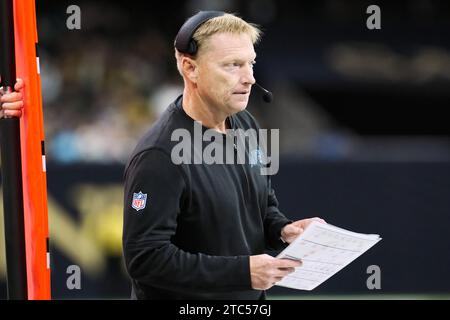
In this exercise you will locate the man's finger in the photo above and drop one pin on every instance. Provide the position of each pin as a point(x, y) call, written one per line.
point(287, 270)
point(12, 105)
point(11, 97)
point(19, 84)
point(11, 113)
point(292, 229)
point(319, 219)
point(288, 263)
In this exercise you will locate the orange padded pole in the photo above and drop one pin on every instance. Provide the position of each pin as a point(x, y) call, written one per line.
point(33, 152)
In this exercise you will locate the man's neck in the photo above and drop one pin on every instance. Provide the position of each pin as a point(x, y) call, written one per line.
point(199, 110)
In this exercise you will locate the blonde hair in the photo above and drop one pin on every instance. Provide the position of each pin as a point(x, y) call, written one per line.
point(227, 23)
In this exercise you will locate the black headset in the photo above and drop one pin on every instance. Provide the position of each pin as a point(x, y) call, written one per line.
point(184, 41)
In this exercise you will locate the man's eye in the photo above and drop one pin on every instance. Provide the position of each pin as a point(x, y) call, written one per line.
point(232, 65)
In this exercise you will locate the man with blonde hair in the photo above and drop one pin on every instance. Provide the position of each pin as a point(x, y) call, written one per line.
point(199, 231)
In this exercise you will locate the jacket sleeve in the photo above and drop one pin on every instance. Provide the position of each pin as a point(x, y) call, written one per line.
point(274, 221)
point(150, 256)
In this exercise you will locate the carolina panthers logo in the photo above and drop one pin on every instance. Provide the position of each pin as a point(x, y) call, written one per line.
point(256, 158)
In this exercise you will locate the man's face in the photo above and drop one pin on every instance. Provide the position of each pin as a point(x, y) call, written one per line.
point(225, 72)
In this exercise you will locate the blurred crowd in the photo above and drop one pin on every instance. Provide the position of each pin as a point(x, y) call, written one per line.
point(104, 85)
point(101, 91)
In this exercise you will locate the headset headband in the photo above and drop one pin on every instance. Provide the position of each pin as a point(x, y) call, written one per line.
point(184, 41)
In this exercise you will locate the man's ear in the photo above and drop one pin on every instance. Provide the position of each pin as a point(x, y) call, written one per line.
point(190, 68)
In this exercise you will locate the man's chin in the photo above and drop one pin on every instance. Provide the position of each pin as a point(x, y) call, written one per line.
point(239, 106)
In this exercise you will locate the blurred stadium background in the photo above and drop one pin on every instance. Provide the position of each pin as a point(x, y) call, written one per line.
point(365, 139)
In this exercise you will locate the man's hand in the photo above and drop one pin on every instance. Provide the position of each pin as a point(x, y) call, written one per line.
point(12, 103)
point(296, 228)
point(266, 270)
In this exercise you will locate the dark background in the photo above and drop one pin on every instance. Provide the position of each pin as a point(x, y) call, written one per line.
point(364, 134)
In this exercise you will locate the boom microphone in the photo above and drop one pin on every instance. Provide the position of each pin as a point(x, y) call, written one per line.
point(267, 95)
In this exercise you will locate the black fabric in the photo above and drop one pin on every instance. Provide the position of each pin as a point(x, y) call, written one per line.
point(200, 223)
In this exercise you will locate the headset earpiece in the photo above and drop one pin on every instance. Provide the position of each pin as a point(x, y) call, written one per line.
point(192, 48)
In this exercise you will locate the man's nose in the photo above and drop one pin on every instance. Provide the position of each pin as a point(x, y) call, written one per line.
point(247, 77)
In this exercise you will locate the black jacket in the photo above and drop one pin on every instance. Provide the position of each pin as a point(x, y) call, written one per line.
point(189, 229)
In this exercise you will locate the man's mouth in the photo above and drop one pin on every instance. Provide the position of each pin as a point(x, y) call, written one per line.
point(241, 92)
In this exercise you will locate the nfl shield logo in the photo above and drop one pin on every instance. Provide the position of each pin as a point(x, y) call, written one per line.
point(139, 201)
